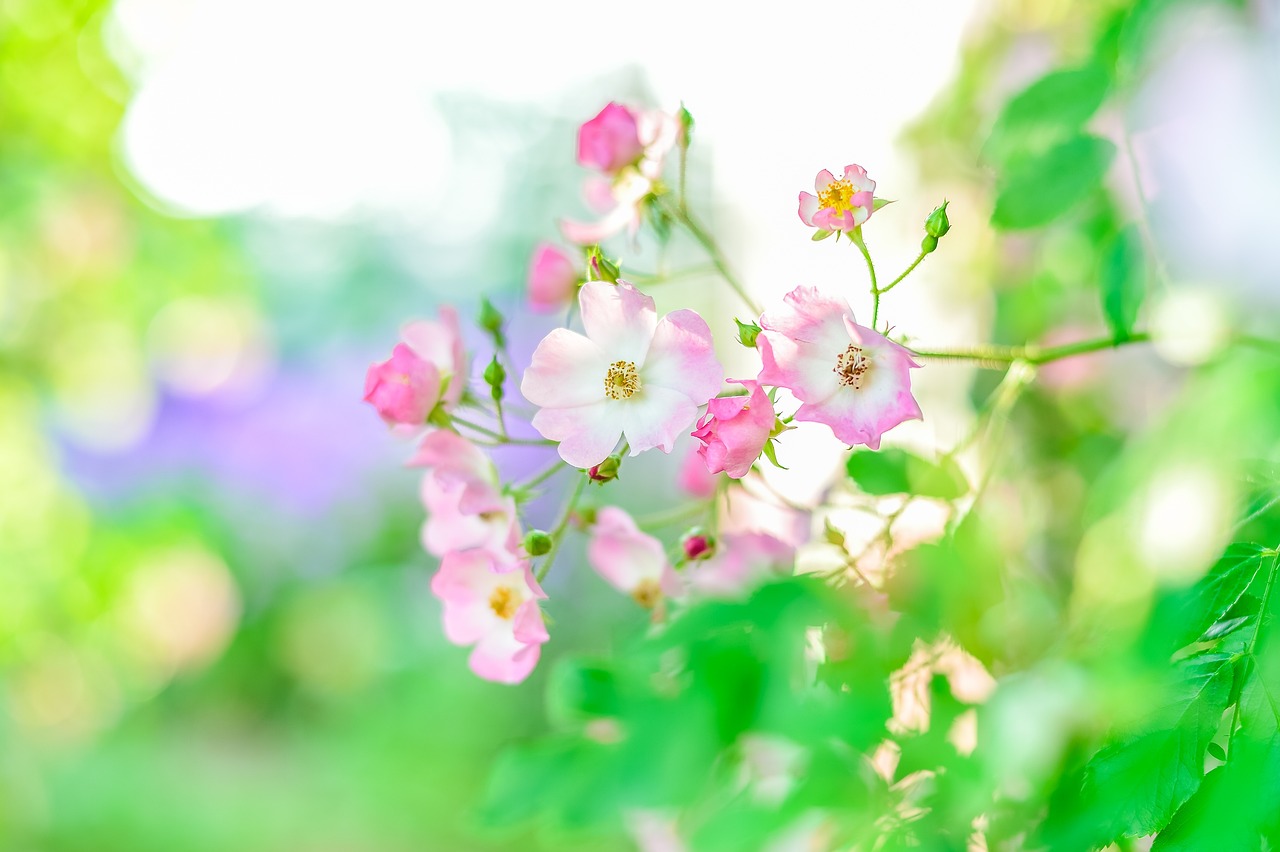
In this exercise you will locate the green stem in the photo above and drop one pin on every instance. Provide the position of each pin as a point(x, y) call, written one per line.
point(558, 531)
point(998, 357)
point(1253, 644)
point(502, 419)
point(871, 270)
point(905, 273)
point(704, 239)
point(546, 474)
point(670, 516)
point(497, 436)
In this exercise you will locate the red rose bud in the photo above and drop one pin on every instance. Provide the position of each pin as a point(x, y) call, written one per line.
point(698, 545)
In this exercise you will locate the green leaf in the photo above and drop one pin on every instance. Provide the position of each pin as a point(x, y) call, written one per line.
point(820, 235)
point(771, 453)
point(1050, 109)
point(1196, 611)
point(1234, 805)
point(1133, 787)
point(1123, 280)
point(1038, 190)
point(877, 203)
point(579, 689)
point(896, 471)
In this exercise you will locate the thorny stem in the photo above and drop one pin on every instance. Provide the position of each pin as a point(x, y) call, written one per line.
point(557, 532)
point(999, 357)
point(905, 273)
point(699, 234)
point(871, 270)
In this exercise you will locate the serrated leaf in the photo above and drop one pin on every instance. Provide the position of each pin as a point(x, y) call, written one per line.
point(1235, 804)
point(896, 471)
point(820, 235)
point(1123, 281)
point(1133, 787)
point(1053, 107)
point(1213, 596)
point(1039, 189)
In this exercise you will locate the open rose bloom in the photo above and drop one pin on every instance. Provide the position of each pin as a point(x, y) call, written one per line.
point(847, 376)
point(496, 611)
point(631, 561)
point(841, 204)
point(628, 147)
point(631, 375)
point(463, 497)
point(427, 369)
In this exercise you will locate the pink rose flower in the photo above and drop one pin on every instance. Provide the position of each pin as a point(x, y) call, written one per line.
point(741, 562)
point(846, 375)
point(463, 497)
point(631, 375)
point(840, 205)
point(629, 147)
point(611, 140)
point(428, 369)
point(693, 477)
point(734, 430)
point(497, 612)
point(553, 278)
point(631, 561)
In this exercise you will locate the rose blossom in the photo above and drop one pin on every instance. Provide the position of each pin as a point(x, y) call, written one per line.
point(628, 146)
point(463, 497)
point(741, 562)
point(629, 560)
point(553, 278)
point(734, 430)
point(495, 611)
point(631, 375)
point(840, 205)
point(846, 375)
point(427, 369)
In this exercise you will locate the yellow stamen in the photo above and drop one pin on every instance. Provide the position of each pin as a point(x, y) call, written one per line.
point(504, 602)
point(838, 195)
point(647, 593)
point(851, 367)
point(622, 381)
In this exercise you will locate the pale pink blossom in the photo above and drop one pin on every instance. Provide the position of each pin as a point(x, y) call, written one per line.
point(846, 375)
point(629, 147)
point(735, 429)
point(553, 278)
point(740, 563)
point(495, 611)
point(632, 374)
point(463, 497)
point(428, 369)
point(631, 561)
point(841, 204)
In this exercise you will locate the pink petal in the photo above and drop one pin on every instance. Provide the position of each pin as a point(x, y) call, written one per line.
point(610, 140)
point(682, 357)
point(655, 417)
point(529, 626)
point(619, 319)
point(823, 180)
point(502, 658)
point(694, 478)
point(801, 342)
point(622, 554)
point(857, 176)
point(587, 434)
point(567, 370)
point(553, 278)
point(808, 207)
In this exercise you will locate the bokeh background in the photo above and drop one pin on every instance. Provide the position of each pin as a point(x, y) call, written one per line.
point(215, 627)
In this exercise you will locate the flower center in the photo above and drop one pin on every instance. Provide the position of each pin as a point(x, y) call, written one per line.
point(504, 603)
point(622, 381)
point(851, 367)
point(838, 195)
point(647, 593)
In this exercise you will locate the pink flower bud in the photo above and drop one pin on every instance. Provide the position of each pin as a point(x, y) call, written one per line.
point(553, 278)
point(698, 545)
point(404, 388)
point(611, 140)
point(735, 429)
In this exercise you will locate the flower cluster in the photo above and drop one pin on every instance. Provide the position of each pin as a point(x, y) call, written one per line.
point(615, 381)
